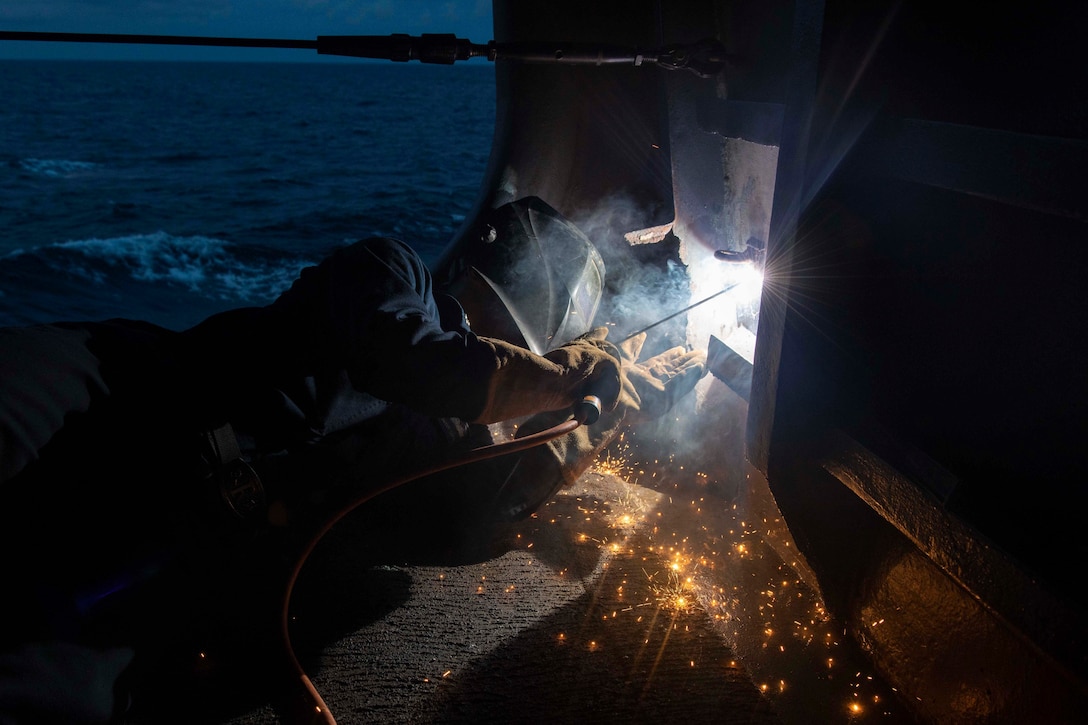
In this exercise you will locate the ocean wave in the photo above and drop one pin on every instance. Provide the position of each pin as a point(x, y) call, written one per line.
point(55, 167)
point(209, 267)
point(257, 171)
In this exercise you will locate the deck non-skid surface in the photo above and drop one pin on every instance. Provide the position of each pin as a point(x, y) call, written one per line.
point(614, 603)
point(576, 624)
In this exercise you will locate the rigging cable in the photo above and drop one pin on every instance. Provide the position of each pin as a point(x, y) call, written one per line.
point(705, 58)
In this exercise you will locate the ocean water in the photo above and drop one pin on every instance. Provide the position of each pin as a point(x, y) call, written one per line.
point(169, 191)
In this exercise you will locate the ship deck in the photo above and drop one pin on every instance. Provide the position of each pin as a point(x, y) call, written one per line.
point(619, 601)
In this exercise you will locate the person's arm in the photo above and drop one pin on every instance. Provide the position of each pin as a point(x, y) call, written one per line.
point(649, 389)
point(371, 306)
point(51, 373)
point(46, 373)
point(485, 380)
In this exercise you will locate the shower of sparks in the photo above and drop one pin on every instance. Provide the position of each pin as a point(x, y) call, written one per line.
point(675, 594)
point(696, 555)
point(615, 463)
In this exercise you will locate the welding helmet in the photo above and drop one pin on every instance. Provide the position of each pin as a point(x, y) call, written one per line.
point(526, 275)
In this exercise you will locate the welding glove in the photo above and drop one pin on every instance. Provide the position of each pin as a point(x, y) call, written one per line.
point(525, 383)
point(648, 390)
point(652, 387)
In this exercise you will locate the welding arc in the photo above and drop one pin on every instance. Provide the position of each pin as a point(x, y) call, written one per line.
point(680, 312)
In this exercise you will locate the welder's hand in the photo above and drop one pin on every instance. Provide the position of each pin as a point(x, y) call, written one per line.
point(651, 387)
point(595, 360)
point(631, 348)
point(524, 383)
point(648, 390)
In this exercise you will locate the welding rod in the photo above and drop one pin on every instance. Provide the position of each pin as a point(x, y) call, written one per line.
point(680, 312)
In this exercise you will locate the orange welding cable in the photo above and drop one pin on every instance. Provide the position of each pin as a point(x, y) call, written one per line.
point(321, 711)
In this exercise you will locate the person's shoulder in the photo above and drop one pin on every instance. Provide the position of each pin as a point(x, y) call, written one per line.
point(382, 247)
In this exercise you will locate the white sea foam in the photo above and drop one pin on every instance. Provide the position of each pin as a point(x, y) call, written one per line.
point(55, 167)
point(201, 264)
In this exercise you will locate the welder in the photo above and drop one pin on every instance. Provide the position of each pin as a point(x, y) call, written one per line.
point(122, 443)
